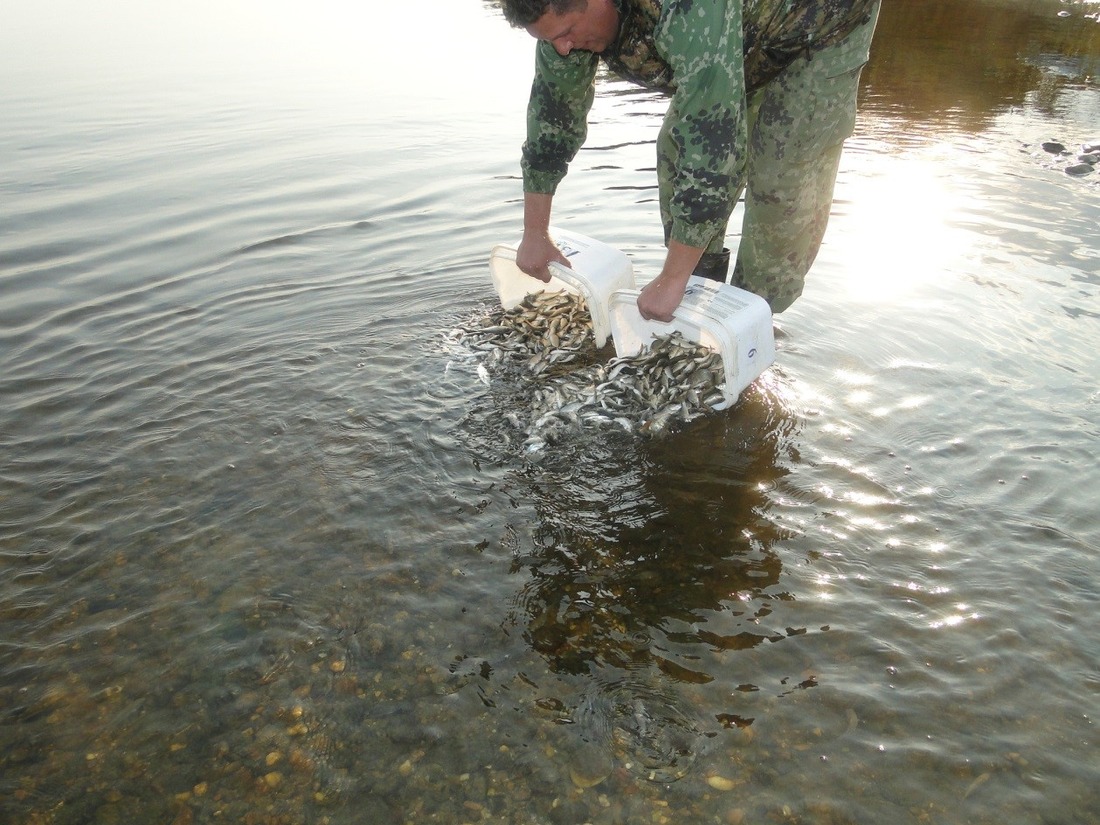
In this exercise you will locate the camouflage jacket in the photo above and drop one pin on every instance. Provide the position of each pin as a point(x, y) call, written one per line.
point(708, 54)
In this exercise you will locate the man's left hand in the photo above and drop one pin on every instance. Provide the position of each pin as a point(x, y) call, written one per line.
point(661, 296)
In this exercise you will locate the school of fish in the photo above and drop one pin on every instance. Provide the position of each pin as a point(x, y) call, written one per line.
point(548, 340)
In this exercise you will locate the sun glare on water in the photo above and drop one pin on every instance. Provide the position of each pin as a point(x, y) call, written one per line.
point(895, 225)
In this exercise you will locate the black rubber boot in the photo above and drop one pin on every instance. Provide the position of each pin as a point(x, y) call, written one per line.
point(714, 265)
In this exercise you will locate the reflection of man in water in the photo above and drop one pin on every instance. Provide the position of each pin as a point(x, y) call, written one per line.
point(763, 96)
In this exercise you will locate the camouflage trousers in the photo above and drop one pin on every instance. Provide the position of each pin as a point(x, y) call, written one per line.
point(797, 125)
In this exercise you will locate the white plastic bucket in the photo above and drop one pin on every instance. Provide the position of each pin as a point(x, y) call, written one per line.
point(598, 271)
point(725, 318)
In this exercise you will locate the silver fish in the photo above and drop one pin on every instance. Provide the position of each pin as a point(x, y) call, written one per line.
point(547, 340)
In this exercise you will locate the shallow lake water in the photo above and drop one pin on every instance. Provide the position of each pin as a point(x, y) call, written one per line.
point(270, 551)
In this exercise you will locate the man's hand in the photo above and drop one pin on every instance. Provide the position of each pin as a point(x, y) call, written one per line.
point(537, 249)
point(536, 252)
point(660, 297)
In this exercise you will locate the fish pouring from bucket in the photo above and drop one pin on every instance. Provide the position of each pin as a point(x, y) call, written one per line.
point(544, 330)
point(672, 381)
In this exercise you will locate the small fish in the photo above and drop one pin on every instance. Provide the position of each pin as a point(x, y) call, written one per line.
point(547, 339)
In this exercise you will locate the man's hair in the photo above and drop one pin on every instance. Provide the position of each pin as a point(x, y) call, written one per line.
point(522, 13)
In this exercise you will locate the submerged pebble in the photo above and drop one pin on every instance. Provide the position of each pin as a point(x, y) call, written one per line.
point(721, 783)
point(589, 766)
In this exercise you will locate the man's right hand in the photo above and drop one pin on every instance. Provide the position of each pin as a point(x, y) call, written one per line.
point(536, 252)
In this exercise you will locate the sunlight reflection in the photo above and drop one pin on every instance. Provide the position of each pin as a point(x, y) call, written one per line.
point(869, 500)
point(954, 621)
point(913, 402)
point(271, 47)
point(869, 523)
point(855, 379)
point(859, 398)
point(899, 212)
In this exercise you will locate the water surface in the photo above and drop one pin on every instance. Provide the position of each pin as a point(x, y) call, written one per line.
point(270, 551)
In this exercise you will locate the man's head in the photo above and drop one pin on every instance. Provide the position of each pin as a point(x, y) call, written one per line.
point(590, 25)
point(522, 13)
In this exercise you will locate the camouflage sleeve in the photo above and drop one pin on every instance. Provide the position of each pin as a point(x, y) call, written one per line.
point(704, 132)
point(557, 115)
